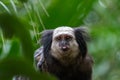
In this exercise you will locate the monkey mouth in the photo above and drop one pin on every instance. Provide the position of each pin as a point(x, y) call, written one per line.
point(65, 48)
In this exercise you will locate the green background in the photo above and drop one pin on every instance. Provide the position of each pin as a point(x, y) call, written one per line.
point(21, 22)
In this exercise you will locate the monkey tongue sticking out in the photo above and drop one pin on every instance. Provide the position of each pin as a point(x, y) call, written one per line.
point(64, 48)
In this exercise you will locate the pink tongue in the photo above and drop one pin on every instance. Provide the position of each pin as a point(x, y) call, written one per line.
point(64, 47)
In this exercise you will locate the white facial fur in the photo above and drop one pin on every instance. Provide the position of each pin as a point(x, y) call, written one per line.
point(73, 48)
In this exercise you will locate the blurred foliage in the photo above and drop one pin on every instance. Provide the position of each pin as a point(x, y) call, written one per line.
point(21, 22)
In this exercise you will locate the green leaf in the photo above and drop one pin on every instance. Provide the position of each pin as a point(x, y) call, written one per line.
point(12, 26)
point(11, 66)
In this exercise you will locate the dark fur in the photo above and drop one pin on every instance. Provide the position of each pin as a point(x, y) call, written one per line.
point(46, 41)
point(79, 69)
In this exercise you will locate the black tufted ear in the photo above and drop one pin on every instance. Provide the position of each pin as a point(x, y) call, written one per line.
point(81, 37)
point(46, 41)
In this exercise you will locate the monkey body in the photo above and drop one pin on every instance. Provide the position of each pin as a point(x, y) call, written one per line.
point(77, 70)
point(64, 54)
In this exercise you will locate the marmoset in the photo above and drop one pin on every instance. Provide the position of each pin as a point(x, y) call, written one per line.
point(64, 54)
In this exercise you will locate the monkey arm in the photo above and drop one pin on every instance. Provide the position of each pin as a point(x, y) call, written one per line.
point(39, 57)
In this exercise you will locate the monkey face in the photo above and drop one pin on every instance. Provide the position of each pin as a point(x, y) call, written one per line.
point(64, 43)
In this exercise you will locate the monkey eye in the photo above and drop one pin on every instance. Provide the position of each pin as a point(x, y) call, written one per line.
point(58, 38)
point(68, 38)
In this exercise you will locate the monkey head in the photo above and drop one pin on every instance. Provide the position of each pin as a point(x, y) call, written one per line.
point(64, 43)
